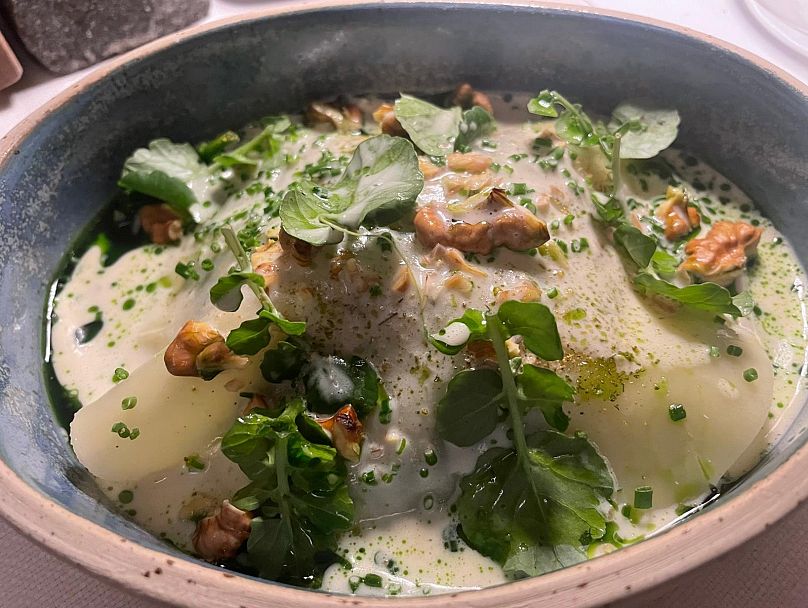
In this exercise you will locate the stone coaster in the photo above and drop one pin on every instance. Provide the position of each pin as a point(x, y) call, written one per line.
point(67, 36)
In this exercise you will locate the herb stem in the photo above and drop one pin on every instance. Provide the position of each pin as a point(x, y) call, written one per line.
point(244, 265)
point(616, 164)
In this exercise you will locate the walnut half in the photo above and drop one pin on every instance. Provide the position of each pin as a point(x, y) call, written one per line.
point(200, 350)
point(346, 432)
point(219, 536)
point(722, 255)
point(679, 217)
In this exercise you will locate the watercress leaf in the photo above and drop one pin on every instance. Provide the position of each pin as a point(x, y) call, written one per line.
point(744, 303)
point(544, 104)
point(209, 149)
point(451, 339)
point(572, 129)
point(379, 186)
point(638, 247)
point(532, 560)
point(172, 191)
point(544, 389)
point(248, 442)
point(476, 123)
point(268, 545)
point(380, 183)
point(290, 328)
point(226, 293)
point(611, 212)
point(249, 337)
point(505, 509)
point(537, 326)
point(304, 453)
point(302, 211)
point(707, 297)
point(330, 513)
point(367, 389)
point(658, 129)
point(179, 161)
point(332, 382)
point(283, 362)
point(253, 495)
point(469, 410)
point(263, 146)
point(664, 263)
point(431, 128)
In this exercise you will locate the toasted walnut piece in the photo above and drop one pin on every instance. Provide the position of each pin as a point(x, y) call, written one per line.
point(264, 262)
point(301, 251)
point(345, 119)
point(256, 402)
point(219, 537)
point(722, 255)
point(481, 351)
point(512, 227)
point(402, 280)
point(429, 169)
point(466, 97)
point(346, 432)
point(199, 350)
point(386, 117)
point(161, 224)
point(459, 283)
point(524, 291)
point(470, 162)
point(467, 184)
point(679, 217)
point(452, 258)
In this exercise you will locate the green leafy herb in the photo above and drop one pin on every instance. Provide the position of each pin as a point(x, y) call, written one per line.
point(656, 131)
point(537, 326)
point(209, 149)
point(298, 490)
point(707, 297)
point(378, 187)
point(433, 129)
point(226, 295)
point(531, 508)
point(163, 171)
point(284, 362)
point(263, 146)
point(744, 303)
point(332, 382)
point(249, 337)
point(476, 123)
point(545, 390)
point(194, 463)
point(637, 246)
point(469, 410)
point(664, 264)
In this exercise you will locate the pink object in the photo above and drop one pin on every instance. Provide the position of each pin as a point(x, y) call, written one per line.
point(10, 68)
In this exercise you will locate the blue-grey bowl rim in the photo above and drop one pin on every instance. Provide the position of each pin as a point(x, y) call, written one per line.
point(190, 582)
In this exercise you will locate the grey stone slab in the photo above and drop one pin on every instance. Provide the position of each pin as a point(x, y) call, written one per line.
point(66, 36)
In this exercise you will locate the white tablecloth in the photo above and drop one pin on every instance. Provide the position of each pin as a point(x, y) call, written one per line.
point(768, 571)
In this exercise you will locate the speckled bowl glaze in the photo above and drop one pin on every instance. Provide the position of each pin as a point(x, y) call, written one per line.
point(60, 166)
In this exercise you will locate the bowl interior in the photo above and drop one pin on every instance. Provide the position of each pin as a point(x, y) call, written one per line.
point(738, 117)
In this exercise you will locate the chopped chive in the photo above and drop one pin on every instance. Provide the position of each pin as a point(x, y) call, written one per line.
point(643, 497)
point(121, 430)
point(431, 457)
point(568, 219)
point(750, 375)
point(715, 352)
point(402, 444)
point(369, 477)
point(128, 403)
point(372, 580)
point(424, 473)
point(518, 189)
point(194, 462)
point(734, 351)
point(119, 375)
point(677, 412)
point(552, 293)
point(555, 224)
point(134, 433)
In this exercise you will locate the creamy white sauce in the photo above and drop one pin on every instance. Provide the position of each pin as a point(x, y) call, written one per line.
point(642, 359)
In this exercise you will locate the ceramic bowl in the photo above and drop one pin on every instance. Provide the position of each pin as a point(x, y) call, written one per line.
point(59, 167)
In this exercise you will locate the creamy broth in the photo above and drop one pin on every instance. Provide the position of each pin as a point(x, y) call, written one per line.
point(628, 357)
